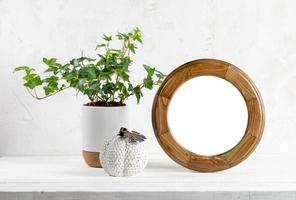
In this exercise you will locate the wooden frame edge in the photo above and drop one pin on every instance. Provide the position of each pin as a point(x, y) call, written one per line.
point(253, 99)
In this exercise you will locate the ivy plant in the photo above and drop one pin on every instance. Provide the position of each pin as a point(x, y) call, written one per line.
point(105, 79)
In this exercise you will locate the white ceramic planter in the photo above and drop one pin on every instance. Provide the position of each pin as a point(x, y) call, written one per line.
point(100, 124)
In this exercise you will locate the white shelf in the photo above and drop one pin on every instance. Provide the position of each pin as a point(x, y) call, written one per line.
point(69, 174)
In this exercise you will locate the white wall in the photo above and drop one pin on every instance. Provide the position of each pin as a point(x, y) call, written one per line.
point(257, 36)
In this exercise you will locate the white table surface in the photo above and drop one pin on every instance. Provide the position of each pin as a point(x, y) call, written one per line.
point(69, 173)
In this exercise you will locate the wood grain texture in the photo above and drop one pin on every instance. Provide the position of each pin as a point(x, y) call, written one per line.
point(92, 159)
point(250, 94)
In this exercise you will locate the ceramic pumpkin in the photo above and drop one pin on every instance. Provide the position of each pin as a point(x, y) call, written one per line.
point(124, 154)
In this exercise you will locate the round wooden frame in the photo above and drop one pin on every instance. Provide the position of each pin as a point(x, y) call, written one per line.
point(251, 96)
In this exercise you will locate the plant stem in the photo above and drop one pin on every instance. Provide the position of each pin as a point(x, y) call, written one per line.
point(98, 97)
point(128, 43)
point(39, 98)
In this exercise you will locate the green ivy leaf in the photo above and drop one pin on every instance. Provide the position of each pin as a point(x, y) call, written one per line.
point(75, 62)
point(123, 75)
point(122, 36)
point(50, 70)
point(51, 79)
point(100, 45)
point(32, 81)
point(108, 88)
point(47, 90)
point(119, 85)
point(50, 62)
point(160, 75)
point(124, 91)
point(90, 72)
point(21, 68)
point(95, 86)
point(107, 38)
point(149, 70)
point(137, 35)
point(130, 87)
point(81, 59)
point(132, 47)
point(148, 82)
point(73, 81)
point(138, 93)
point(81, 84)
point(105, 74)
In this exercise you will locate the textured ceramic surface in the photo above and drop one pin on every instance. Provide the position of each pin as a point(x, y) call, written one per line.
point(122, 158)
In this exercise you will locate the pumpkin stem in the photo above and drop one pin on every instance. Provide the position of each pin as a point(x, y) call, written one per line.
point(131, 136)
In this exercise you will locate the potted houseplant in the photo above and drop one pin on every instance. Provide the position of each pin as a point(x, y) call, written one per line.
point(105, 80)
